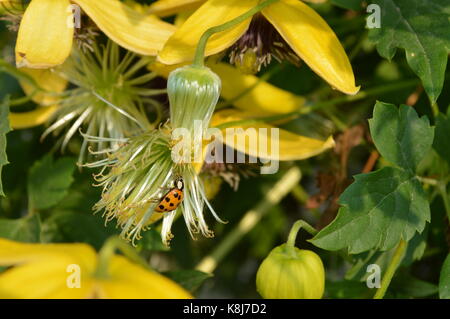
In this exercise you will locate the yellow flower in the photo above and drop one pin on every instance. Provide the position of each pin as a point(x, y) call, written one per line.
point(46, 31)
point(164, 8)
point(285, 29)
point(51, 271)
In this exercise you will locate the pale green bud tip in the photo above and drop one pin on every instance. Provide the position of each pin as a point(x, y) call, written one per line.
point(193, 94)
point(291, 273)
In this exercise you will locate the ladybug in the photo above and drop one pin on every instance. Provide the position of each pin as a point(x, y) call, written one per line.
point(172, 199)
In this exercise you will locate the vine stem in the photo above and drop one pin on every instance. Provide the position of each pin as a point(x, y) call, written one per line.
point(296, 228)
point(201, 46)
point(251, 218)
point(393, 265)
point(107, 252)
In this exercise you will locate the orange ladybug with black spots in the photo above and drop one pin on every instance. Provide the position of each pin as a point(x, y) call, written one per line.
point(172, 199)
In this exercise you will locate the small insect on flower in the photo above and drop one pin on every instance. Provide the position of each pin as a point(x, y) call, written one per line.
point(173, 198)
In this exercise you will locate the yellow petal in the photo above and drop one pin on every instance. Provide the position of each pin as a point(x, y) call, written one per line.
point(12, 252)
point(164, 8)
point(45, 36)
point(32, 118)
point(44, 279)
point(289, 146)
point(47, 80)
point(182, 44)
point(181, 18)
point(130, 281)
point(314, 41)
point(42, 270)
point(260, 97)
point(9, 6)
point(131, 29)
point(142, 8)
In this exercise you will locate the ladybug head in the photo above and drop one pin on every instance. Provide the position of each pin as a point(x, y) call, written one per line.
point(179, 183)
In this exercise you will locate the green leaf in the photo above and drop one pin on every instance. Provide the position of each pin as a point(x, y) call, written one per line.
point(49, 181)
point(421, 28)
point(442, 137)
point(26, 229)
point(379, 209)
point(4, 129)
point(444, 281)
point(416, 248)
point(400, 135)
point(188, 279)
point(348, 4)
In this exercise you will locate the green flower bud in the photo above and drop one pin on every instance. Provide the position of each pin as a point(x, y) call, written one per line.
point(193, 95)
point(291, 273)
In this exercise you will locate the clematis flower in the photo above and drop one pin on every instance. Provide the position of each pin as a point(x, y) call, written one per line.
point(46, 31)
point(135, 176)
point(51, 271)
point(286, 29)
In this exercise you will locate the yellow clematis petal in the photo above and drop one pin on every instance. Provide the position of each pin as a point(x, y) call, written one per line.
point(314, 41)
point(131, 29)
point(290, 146)
point(45, 37)
point(32, 118)
point(44, 279)
point(131, 281)
point(12, 252)
point(182, 44)
point(164, 8)
point(47, 80)
point(260, 97)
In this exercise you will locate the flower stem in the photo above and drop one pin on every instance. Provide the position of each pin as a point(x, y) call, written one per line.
point(393, 265)
point(295, 229)
point(250, 219)
point(107, 252)
point(201, 46)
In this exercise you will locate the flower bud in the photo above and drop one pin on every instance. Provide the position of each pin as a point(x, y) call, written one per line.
point(291, 273)
point(193, 94)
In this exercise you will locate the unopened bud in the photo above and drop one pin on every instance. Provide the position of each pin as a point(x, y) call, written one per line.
point(291, 273)
point(193, 94)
